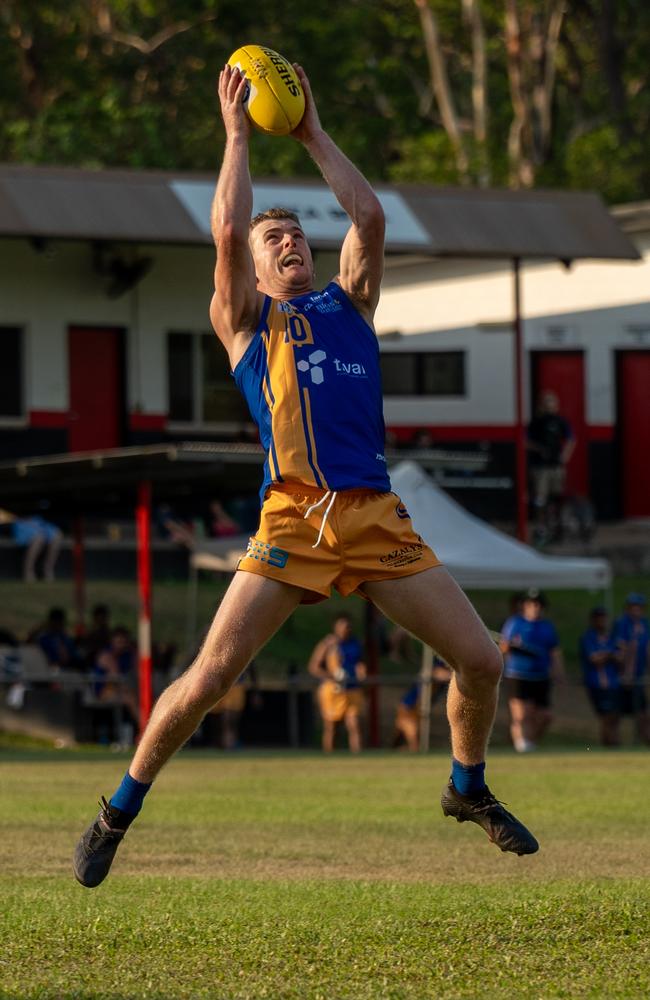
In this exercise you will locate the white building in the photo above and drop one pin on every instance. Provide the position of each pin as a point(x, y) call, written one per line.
point(106, 279)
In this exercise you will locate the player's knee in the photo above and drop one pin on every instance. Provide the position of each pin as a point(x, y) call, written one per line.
point(208, 682)
point(482, 666)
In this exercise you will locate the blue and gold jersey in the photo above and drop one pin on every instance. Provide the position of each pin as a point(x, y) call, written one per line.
point(312, 382)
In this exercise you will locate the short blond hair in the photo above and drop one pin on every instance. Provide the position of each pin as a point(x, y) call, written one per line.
point(273, 214)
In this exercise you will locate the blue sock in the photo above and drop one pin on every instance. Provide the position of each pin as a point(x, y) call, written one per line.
point(468, 779)
point(130, 795)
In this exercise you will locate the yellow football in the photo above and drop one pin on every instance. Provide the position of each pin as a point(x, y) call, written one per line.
point(274, 99)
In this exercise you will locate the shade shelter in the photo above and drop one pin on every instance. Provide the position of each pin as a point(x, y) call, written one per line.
point(480, 556)
point(73, 482)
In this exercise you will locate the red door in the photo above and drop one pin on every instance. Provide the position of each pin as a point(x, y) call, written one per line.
point(633, 420)
point(96, 388)
point(563, 372)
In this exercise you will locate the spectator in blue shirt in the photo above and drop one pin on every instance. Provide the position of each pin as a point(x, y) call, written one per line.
point(58, 645)
point(631, 636)
point(601, 664)
point(532, 660)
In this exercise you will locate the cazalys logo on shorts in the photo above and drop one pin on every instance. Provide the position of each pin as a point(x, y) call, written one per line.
point(404, 555)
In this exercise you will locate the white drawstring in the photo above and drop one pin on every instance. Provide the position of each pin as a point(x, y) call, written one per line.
point(315, 506)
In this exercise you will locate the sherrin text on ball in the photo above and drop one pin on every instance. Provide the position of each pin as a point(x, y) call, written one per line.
point(274, 98)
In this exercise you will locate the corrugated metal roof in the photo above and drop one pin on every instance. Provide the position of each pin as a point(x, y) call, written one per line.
point(497, 223)
point(93, 204)
point(151, 207)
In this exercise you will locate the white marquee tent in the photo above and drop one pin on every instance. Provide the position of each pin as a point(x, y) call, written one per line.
point(478, 555)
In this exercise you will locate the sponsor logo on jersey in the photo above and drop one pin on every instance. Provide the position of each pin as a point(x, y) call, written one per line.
point(325, 302)
point(313, 366)
point(351, 368)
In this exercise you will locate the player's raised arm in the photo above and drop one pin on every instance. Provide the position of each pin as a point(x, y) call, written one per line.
point(362, 256)
point(233, 310)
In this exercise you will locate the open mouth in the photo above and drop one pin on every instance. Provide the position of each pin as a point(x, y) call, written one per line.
point(292, 260)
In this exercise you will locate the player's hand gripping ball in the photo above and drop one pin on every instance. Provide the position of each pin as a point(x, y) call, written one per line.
point(274, 99)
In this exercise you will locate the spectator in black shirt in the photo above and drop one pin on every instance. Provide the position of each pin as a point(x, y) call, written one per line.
point(551, 443)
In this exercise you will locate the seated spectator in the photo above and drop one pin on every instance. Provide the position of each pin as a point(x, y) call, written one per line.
point(11, 669)
point(56, 642)
point(37, 536)
point(114, 673)
point(173, 528)
point(98, 636)
point(220, 523)
point(601, 664)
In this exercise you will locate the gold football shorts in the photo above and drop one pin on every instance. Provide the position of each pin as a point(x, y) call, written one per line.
point(336, 702)
point(318, 540)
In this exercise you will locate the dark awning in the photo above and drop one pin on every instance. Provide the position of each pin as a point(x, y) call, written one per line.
point(82, 480)
point(164, 207)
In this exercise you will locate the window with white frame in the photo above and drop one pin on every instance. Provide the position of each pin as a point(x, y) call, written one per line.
point(12, 372)
point(201, 389)
point(434, 373)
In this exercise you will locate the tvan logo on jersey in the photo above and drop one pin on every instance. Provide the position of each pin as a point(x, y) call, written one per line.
point(352, 368)
point(313, 366)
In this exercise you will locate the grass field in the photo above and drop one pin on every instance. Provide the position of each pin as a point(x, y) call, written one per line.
point(300, 877)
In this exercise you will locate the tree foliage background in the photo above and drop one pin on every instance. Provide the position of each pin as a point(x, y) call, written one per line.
point(492, 92)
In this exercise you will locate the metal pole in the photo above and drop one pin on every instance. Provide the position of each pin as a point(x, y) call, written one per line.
point(143, 523)
point(372, 663)
point(520, 430)
point(293, 718)
point(426, 678)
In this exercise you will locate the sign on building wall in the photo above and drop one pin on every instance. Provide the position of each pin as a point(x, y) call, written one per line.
point(321, 216)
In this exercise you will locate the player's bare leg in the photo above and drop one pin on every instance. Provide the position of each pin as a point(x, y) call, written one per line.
point(433, 608)
point(354, 732)
point(51, 556)
point(32, 553)
point(542, 719)
point(253, 609)
point(521, 728)
point(329, 729)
